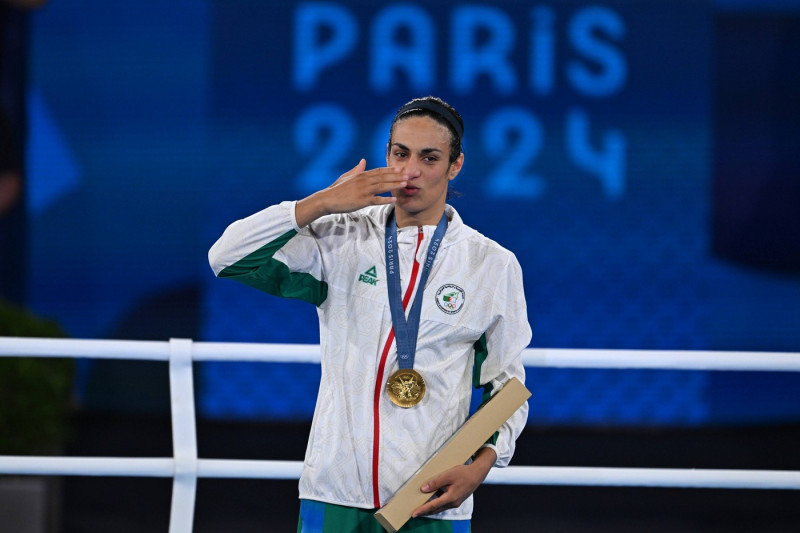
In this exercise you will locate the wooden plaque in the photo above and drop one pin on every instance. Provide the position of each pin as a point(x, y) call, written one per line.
point(455, 451)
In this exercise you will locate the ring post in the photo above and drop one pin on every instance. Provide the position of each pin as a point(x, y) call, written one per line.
point(184, 436)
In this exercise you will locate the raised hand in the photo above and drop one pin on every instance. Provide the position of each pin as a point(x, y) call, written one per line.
point(355, 189)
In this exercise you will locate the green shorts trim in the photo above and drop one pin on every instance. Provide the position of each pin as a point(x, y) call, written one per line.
point(319, 517)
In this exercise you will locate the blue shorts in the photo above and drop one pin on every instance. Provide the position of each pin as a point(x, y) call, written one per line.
point(319, 517)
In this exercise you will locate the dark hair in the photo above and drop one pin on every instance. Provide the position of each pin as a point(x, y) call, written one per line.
point(438, 110)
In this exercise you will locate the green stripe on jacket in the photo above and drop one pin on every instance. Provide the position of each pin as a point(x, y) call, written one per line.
point(263, 272)
point(481, 353)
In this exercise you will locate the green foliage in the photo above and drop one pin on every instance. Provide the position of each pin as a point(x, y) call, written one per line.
point(34, 392)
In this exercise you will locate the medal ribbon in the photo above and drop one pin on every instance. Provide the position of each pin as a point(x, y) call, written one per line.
point(406, 332)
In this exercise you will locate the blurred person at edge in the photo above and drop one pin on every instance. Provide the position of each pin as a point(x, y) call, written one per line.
point(13, 60)
point(10, 164)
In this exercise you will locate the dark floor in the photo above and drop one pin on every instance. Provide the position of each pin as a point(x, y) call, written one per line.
point(122, 505)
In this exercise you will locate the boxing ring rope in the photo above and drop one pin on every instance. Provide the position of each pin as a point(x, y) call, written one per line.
point(185, 467)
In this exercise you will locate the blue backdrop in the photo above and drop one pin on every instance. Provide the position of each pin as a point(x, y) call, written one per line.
point(590, 152)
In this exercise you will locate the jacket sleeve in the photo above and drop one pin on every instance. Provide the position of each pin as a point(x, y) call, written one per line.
point(498, 355)
point(269, 252)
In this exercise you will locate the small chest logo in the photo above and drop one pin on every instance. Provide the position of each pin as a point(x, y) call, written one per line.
point(450, 298)
point(369, 277)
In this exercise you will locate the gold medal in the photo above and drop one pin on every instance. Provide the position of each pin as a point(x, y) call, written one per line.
point(406, 387)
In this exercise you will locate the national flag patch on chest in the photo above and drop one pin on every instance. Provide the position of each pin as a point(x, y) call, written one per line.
point(450, 298)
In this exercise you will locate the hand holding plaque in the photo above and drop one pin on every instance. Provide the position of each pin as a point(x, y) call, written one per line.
point(456, 451)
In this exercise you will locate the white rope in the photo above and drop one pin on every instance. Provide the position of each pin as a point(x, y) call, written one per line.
point(646, 477)
point(92, 348)
point(309, 353)
point(662, 359)
point(87, 466)
point(512, 475)
point(278, 353)
point(146, 467)
point(238, 468)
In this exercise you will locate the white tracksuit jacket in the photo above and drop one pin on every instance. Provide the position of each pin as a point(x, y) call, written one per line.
point(472, 330)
